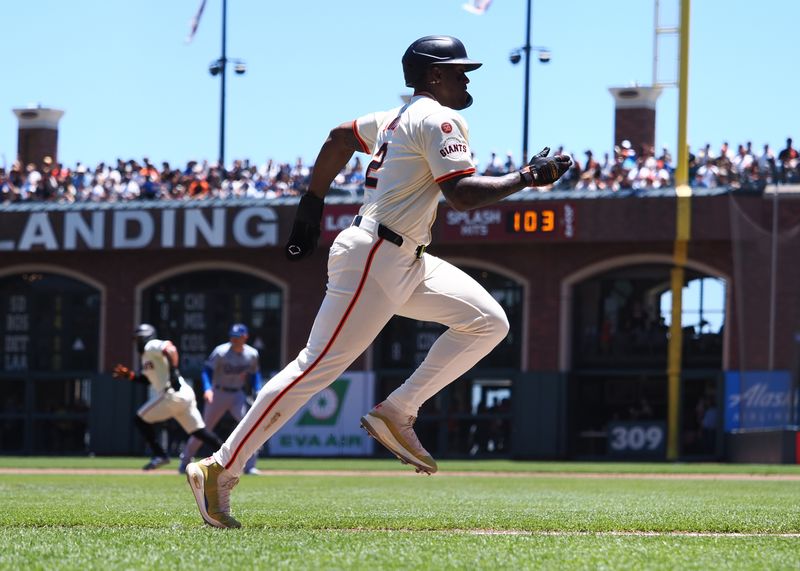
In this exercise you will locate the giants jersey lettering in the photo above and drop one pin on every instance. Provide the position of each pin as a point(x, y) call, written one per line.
point(414, 148)
point(231, 369)
point(155, 365)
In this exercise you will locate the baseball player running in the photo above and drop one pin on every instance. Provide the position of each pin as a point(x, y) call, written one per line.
point(173, 398)
point(231, 371)
point(378, 267)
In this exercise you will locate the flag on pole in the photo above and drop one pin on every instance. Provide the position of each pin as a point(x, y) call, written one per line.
point(195, 21)
point(477, 6)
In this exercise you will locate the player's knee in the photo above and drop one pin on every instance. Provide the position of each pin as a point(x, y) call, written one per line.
point(497, 324)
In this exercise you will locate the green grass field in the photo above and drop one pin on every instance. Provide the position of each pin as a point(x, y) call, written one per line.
point(522, 515)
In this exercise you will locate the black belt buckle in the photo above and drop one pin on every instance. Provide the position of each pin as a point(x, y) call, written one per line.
point(420, 250)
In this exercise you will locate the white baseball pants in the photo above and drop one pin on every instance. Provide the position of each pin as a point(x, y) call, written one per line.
point(180, 405)
point(370, 280)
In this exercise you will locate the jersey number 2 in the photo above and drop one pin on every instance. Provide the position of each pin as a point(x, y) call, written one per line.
point(377, 161)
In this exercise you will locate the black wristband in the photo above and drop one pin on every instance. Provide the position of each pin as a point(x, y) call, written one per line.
point(528, 175)
point(175, 378)
point(309, 210)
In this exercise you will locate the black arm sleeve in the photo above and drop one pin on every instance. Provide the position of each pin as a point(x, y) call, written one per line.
point(175, 378)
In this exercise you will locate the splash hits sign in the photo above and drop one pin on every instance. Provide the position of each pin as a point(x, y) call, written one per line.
point(329, 423)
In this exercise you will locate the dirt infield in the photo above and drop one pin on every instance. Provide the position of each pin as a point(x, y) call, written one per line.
point(446, 474)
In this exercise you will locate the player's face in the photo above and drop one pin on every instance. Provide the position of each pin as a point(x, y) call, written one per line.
point(238, 342)
point(452, 87)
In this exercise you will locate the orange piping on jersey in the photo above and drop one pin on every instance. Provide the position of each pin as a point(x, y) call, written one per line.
point(324, 352)
point(450, 175)
point(358, 137)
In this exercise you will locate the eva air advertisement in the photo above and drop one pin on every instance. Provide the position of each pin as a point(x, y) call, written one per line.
point(329, 423)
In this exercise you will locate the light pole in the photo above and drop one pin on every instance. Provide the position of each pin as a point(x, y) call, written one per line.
point(218, 67)
point(514, 58)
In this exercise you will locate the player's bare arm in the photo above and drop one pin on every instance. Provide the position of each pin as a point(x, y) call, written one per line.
point(336, 152)
point(473, 191)
point(171, 353)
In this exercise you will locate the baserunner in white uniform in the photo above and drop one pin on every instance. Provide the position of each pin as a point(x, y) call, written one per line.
point(171, 396)
point(230, 373)
point(378, 267)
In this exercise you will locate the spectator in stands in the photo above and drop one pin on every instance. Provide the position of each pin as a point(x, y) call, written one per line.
point(663, 175)
point(767, 165)
point(6, 194)
point(694, 164)
point(509, 165)
point(742, 161)
point(628, 154)
point(589, 176)
point(354, 172)
point(788, 162)
point(666, 159)
point(606, 167)
point(495, 167)
point(27, 190)
point(724, 164)
point(126, 180)
point(707, 175)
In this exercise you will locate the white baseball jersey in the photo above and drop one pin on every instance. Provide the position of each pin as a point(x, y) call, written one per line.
point(155, 364)
point(426, 143)
point(165, 402)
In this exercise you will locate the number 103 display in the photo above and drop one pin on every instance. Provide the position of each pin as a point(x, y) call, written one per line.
point(529, 221)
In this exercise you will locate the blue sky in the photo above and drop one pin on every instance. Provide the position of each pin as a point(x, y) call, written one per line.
point(131, 87)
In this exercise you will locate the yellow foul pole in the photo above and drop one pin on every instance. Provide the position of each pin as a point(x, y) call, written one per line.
point(682, 234)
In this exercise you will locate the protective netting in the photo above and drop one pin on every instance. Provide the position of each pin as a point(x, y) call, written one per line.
point(761, 387)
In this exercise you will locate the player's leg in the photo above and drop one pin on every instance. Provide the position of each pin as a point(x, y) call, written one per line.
point(238, 409)
point(185, 411)
point(207, 437)
point(367, 279)
point(212, 414)
point(366, 282)
point(155, 410)
point(476, 324)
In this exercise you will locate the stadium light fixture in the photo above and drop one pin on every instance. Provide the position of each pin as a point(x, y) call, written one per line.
point(515, 57)
point(218, 67)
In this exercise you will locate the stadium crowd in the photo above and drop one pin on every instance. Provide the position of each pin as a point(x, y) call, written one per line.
point(623, 169)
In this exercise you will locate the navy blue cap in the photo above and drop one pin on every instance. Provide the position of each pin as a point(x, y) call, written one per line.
point(238, 330)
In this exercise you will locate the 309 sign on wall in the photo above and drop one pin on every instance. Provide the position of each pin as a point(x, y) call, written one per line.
point(637, 439)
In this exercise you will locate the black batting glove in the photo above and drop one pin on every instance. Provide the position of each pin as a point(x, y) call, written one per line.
point(543, 170)
point(306, 228)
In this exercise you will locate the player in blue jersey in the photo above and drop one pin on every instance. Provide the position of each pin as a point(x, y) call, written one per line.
point(230, 374)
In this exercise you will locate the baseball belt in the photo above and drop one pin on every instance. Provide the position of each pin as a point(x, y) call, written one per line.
point(226, 389)
point(388, 234)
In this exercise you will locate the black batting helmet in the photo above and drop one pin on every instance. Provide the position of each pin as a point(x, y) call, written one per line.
point(432, 50)
point(144, 333)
